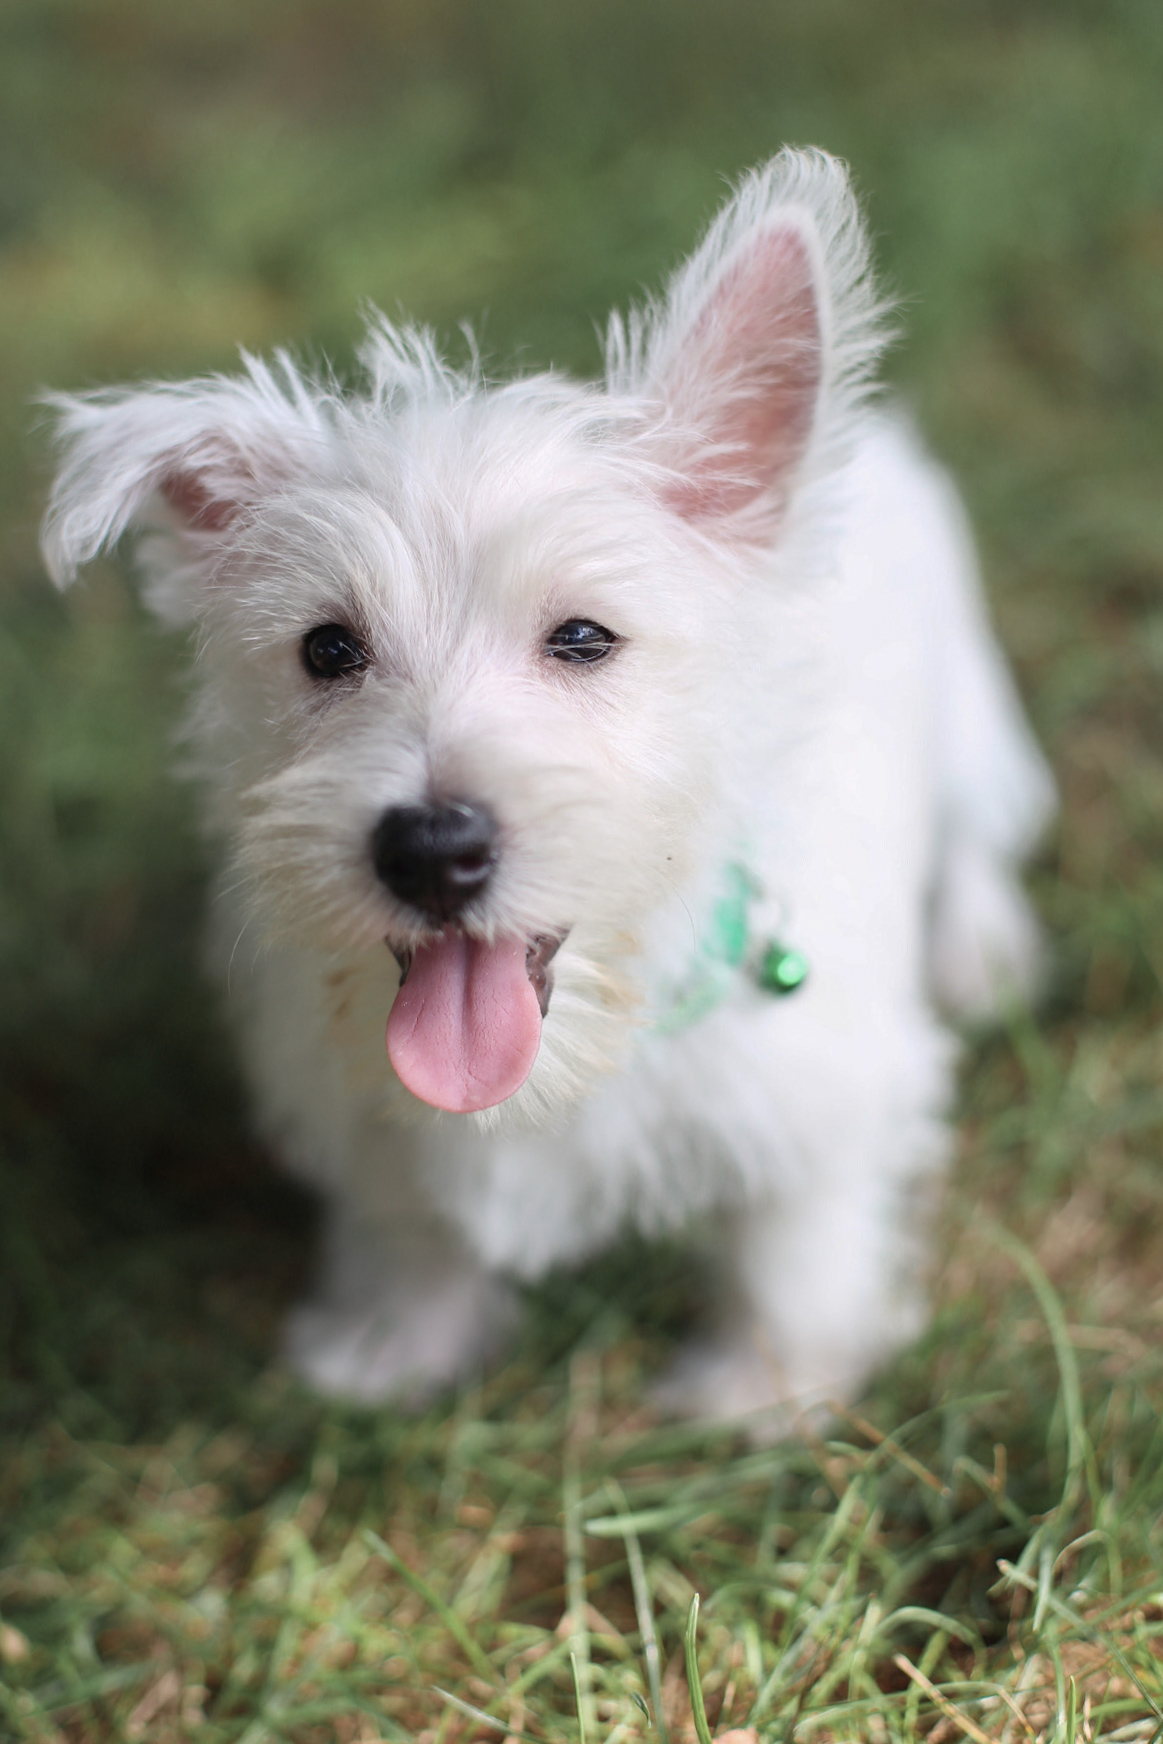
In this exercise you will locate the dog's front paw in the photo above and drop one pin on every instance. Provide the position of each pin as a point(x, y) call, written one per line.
point(717, 1381)
point(736, 1380)
point(407, 1352)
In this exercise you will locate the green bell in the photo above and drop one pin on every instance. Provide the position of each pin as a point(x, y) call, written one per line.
point(782, 971)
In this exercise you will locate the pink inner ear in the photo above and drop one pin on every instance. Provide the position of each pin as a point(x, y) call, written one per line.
point(196, 503)
point(749, 378)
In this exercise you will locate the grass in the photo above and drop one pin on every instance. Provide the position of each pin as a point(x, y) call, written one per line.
point(189, 1546)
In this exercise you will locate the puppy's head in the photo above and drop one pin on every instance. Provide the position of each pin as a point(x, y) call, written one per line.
point(465, 653)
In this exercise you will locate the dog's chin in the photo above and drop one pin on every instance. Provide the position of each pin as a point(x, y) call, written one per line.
point(465, 1028)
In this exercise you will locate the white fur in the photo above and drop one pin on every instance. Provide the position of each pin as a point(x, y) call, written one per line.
point(806, 684)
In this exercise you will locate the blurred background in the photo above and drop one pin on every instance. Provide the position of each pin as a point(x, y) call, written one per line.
point(180, 180)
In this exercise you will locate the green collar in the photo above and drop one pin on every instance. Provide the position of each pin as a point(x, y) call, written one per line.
point(725, 948)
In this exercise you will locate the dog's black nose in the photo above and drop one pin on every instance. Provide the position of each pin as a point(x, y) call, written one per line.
point(436, 857)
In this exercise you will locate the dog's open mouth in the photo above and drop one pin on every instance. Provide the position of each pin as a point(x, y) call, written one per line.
point(465, 1027)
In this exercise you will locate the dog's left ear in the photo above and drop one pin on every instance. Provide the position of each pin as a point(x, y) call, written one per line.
point(759, 347)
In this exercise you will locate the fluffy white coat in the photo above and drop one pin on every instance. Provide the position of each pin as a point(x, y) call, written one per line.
point(804, 686)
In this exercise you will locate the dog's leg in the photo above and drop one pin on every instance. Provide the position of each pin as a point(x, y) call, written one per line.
point(402, 1312)
point(985, 945)
point(994, 792)
point(818, 1296)
point(830, 1283)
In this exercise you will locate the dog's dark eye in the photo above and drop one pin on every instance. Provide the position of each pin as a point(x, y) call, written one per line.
point(333, 651)
point(580, 641)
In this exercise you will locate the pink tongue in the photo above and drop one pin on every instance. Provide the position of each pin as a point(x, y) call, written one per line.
point(465, 1028)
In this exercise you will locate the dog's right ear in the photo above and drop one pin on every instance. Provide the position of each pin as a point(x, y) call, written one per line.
point(187, 460)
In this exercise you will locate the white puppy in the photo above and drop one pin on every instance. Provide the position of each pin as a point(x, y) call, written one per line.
point(598, 714)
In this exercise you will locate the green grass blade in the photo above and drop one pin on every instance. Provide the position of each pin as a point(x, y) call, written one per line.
point(483, 1719)
point(694, 1682)
point(643, 1609)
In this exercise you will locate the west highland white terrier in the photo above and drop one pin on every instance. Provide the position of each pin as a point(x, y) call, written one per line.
point(640, 753)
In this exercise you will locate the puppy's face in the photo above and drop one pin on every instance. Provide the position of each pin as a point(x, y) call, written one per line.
point(463, 650)
point(460, 691)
